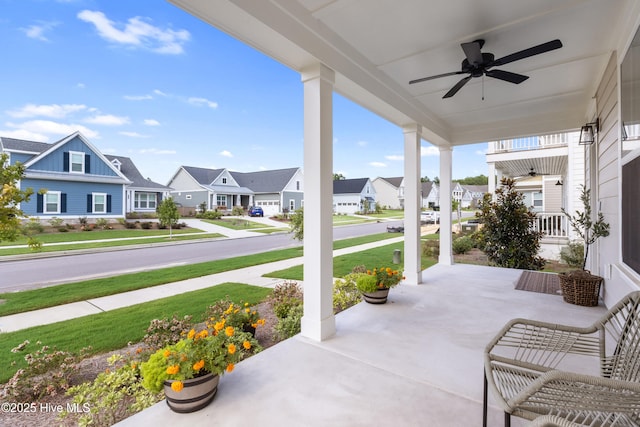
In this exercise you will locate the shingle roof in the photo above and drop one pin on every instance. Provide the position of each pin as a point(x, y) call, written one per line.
point(476, 188)
point(129, 169)
point(203, 176)
point(395, 181)
point(12, 144)
point(349, 186)
point(271, 181)
point(426, 188)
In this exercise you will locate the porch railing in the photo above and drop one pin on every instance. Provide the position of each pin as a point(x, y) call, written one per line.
point(529, 143)
point(553, 225)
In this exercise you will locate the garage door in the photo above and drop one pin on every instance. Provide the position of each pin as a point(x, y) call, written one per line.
point(270, 207)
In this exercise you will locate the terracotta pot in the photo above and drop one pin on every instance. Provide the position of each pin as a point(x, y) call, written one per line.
point(376, 297)
point(196, 394)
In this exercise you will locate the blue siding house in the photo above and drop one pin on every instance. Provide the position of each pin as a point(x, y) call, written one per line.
point(71, 178)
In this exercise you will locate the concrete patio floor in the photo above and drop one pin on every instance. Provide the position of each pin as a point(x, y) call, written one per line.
point(415, 361)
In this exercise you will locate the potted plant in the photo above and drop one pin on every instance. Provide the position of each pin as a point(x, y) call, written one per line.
point(242, 316)
point(580, 286)
point(189, 370)
point(374, 285)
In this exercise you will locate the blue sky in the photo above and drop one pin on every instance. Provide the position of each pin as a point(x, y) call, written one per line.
point(146, 80)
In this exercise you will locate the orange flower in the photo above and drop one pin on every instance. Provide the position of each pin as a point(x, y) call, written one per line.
point(191, 334)
point(177, 386)
point(198, 365)
point(229, 331)
point(202, 334)
point(230, 367)
point(166, 353)
point(246, 345)
point(219, 325)
point(231, 348)
point(172, 370)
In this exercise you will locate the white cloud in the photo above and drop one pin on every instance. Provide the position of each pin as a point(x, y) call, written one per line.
point(202, 102)
point(225, 153)
point(36, 32)
point(151, 122)
point(137, 33)
point(107, 120)
point(80, 86)
point(159, 92)
point(54, 110)
point(24, 134)
point(378, 164)
point(481, 152)
point(49, 127)
point(362, 143)
point(137, 97)
point(429, 151)
point(394, 157)
point(133, 134)
point(156, 151)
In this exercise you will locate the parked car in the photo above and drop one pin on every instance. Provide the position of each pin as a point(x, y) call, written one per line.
point(430, 217)
point(255, 211)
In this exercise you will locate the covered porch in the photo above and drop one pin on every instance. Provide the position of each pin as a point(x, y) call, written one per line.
point(415, 361)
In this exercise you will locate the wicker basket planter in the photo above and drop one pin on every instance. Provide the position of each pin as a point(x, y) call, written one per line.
point(580, 287)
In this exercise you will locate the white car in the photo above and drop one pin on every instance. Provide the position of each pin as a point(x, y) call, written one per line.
point(430, 217)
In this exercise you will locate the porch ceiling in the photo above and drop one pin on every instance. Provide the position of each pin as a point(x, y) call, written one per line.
point(377, 46)
point(541, 166)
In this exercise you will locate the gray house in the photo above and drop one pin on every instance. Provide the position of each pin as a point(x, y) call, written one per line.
point(273, 190)
point(350, 195)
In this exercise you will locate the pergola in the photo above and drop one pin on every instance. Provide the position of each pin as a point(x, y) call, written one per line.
point(369, 50)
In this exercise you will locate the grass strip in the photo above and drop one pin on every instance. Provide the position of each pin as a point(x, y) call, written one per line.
point(342, 265)
point(111, 243)
point(78, 236)
point(130, 323)
point(236, 223)
point(18, 302)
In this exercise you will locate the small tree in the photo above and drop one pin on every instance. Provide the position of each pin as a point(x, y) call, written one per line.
point(297, 224)
point(507, 236)
point(582, 223)
point(168, 214)
point(10, 198)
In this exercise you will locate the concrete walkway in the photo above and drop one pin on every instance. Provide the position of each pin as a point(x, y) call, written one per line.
point(249, 275)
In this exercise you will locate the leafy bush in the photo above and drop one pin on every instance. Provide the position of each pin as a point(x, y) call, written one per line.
point(63, 229)
point(289, 325)
point(48, 372)
point(56, 222)
point(102, 223)
point(146, 225)
point(130, 225)
point(209, 215)
point(431, 248)
point(573, 255)
point(32, 227)
point(297, 224)
point(166, 331)
point(114, 395)
point(345, 292)
point(285, 296)
point(237, 211)
point(507, 237)
point(462, 245)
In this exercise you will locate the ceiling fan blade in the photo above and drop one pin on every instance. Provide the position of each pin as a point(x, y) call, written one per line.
point(472, 51)
point(457, 87)
point(424, 79)
point(535, 50)
point(507, 76)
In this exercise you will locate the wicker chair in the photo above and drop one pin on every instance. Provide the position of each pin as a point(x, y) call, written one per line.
point(553, 421)
point(525, 367)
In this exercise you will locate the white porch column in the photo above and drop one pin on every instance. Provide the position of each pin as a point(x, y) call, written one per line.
point(446, 254)
point(492, 178)
point(318, 321)
point(412, 186)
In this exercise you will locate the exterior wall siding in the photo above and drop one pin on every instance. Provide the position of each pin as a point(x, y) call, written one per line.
point(54, 162)
point(76, 197)
point(197, 197)
point(184, 182)
point(19, 157)
point(292, 195)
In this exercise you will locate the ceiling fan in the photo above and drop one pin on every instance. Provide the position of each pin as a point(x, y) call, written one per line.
point(478, 64)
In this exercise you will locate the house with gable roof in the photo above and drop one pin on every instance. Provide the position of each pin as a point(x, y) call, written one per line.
point(350, 195)
point(273, 190)
point(71, 178)
point(142, 195)
point(388, 192)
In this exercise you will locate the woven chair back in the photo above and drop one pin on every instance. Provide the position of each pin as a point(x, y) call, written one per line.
point(620, 349)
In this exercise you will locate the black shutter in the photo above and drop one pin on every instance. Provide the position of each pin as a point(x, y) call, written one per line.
point(108, 203)
point(89, 203)
point(40, 203)
point(63, 203)
point(87, 163)
point(66, 161)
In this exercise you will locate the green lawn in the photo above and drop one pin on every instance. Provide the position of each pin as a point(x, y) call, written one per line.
point(237, 223)
point(98, 330)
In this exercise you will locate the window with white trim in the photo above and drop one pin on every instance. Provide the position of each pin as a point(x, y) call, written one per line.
point(76, 162)
point(145, 201)
point(292, 205)
point(51, 202)
point(221, 200)
point(99, 203)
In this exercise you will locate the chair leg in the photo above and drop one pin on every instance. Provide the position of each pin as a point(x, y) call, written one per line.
point(484, 401)
point(507, 419)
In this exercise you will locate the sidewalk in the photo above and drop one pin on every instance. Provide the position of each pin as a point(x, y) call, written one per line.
point(249, 275)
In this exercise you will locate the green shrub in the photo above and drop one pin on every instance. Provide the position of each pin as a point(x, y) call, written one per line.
point(102, 223)
point(573, 255)
point(285, 296)
point(32, 227)
point(63, 229)
point(130, 225)
point(56, 222)
point(146, 225)
point(289, 325)
point(209, 215)
point(462, 245)
point(366, 282)
point(237, 211)
point(164, 332)
point(431, 248)
point(345, 292)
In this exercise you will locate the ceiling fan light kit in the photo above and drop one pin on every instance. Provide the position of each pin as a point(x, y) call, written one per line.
point(479, 64)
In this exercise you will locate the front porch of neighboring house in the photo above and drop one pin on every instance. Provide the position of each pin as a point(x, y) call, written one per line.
point(548, 170)
point(227, 200)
